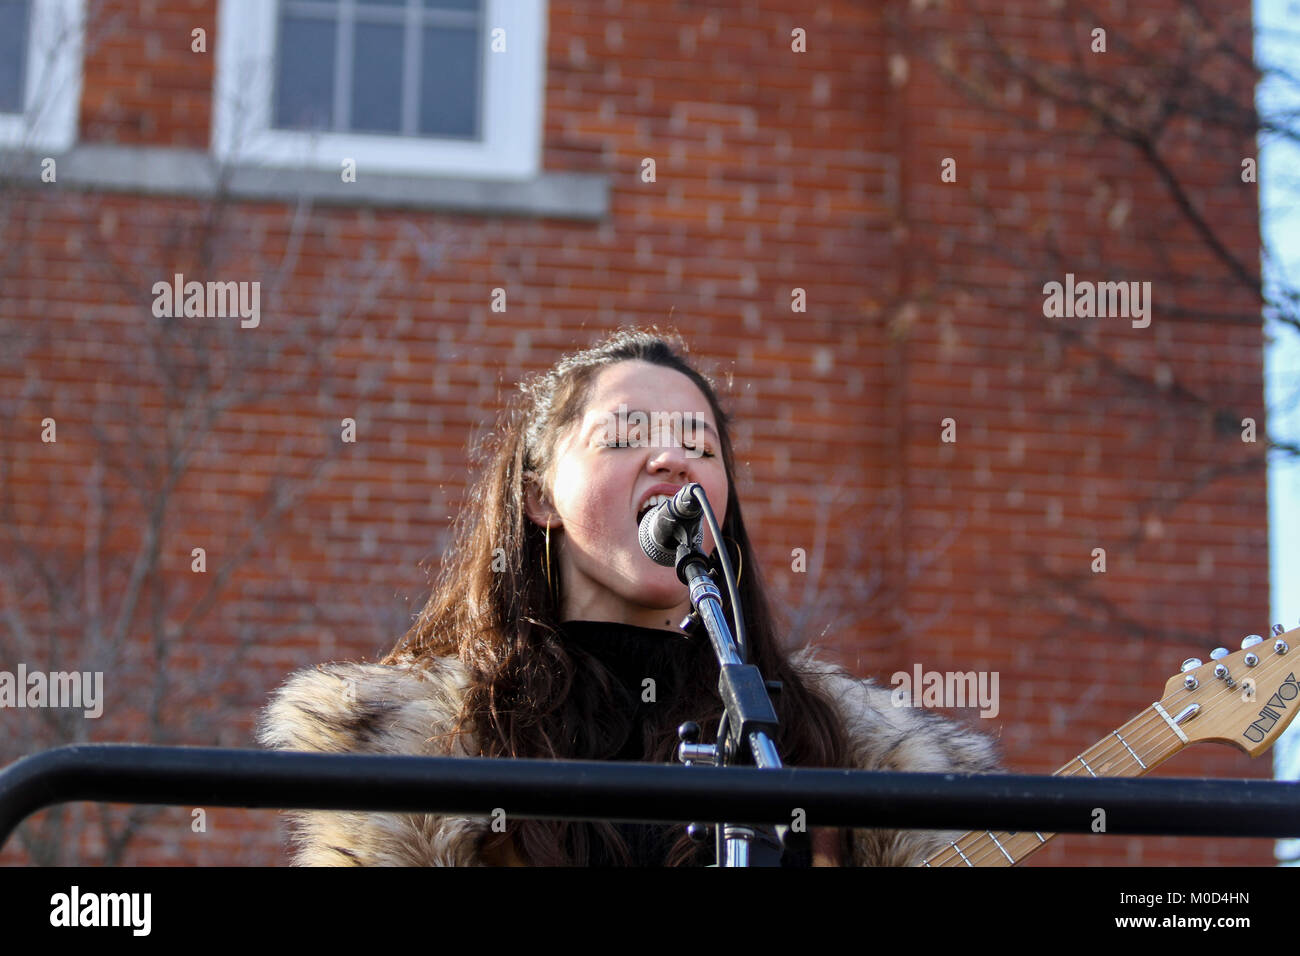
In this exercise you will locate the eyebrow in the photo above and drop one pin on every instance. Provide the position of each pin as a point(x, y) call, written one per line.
point(632, 411)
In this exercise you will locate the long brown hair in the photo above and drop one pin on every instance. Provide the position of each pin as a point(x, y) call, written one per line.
point(531, 696)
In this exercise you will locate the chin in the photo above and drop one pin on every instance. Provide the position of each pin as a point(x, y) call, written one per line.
point(663, 592)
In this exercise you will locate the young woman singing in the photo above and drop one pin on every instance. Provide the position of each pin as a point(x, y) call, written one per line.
point(547, 619)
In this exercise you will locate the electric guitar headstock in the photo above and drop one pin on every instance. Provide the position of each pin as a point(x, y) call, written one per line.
point(1245, 699)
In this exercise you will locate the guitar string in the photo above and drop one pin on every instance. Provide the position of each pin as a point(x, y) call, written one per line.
point(1158, 728)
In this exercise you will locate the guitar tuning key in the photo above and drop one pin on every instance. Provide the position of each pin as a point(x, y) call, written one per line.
point(1218, 652)
point(1278, 630)
point(1191, 664)
point(1250, 640)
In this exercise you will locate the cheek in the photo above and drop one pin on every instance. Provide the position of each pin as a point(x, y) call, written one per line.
point(725, 501)
point(716, 488)
point(589, 501)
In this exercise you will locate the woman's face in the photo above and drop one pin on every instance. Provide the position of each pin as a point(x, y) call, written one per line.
point(599, 486)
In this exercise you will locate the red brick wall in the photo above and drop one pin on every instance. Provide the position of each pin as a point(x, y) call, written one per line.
point(775, 170)
point(143, 83)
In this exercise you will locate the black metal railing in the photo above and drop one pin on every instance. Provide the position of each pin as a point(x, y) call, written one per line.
point(598, 790)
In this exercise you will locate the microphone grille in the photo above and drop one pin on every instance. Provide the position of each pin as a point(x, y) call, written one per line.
point(654, 552)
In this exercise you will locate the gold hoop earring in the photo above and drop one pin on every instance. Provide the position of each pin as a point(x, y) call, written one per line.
point(740, 559)
point(549, 585)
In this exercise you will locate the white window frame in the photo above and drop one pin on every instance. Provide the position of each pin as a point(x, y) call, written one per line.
point(52, 85)
point(513, 97)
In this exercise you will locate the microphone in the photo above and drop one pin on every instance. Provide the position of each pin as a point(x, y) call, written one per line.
point(658, 529)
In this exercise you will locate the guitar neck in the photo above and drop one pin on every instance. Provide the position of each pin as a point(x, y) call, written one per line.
point(1145, 742)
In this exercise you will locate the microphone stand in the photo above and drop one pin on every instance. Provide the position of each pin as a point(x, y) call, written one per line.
point(749, 720)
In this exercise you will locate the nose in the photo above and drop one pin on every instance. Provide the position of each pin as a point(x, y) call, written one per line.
point(672, 458)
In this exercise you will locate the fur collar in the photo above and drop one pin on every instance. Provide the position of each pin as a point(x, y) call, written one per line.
point(405, 710)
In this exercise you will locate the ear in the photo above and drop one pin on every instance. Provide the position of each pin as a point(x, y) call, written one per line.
point(536, 505)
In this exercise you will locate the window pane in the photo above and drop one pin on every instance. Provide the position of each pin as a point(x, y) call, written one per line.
point(449, 83)
point(377, 79)
point(13, 54)
point(304, 83)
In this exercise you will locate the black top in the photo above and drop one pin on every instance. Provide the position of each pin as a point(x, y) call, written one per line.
point(631, 654)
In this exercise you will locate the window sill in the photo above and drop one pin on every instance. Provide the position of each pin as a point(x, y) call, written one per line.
point(182, 172)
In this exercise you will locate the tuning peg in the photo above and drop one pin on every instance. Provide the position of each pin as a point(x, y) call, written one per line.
point(1250, 640)
point(1278, 630)
point(1218, 652)
point(1191, 664)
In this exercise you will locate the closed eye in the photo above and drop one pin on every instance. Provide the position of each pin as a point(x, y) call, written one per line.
point(623, 444)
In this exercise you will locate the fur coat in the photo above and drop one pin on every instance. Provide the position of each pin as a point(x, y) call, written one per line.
point(406, 710)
